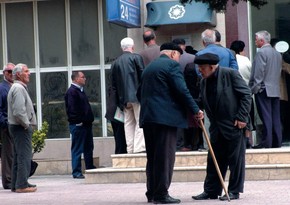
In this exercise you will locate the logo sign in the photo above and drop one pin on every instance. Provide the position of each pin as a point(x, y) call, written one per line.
point(124, 12)
point(176, 12)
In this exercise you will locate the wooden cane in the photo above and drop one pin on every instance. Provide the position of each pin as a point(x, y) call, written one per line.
point(214, 159)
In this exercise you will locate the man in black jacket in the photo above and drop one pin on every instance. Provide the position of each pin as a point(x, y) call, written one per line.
point(80, 117)
point(165, 100)
point(227, 101)
point(126, 74)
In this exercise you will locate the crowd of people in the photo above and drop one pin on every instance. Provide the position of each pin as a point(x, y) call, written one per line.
point(178, 87)
point(156, 101)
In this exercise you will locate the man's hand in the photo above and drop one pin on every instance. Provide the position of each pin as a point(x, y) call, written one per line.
point(199, 115)
point(240, 124)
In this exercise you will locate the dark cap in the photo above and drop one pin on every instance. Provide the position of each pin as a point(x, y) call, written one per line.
point(207, 58)
point(179, 41)
point(171, 46)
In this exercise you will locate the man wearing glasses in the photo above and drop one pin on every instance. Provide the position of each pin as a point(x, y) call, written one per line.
point(6, 140)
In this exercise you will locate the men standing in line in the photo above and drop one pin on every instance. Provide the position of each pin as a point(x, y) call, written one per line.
point(264, 83)
point(153, 50)
point(80, 118)
point(126, 75)
point(21, 120)
point(164, 101)
point(227, 100)
point(6, 139)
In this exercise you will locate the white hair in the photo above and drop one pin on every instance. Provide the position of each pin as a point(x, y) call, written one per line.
point(127, 43)
point(265, 35)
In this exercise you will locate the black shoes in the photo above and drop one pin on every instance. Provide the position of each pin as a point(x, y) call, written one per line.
point(165, 200)
point(259, 146)
point(79, 177)
point(205, 196)
point(232, 196)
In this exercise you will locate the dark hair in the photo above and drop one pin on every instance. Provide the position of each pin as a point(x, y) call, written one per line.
point(237, 46)
point(190, 49)
point(149, 37)
point(74, 75)
point(218, 36)
point(179, 41)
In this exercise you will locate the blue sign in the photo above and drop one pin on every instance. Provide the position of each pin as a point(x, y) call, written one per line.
point(124, 12)
point(172, 12)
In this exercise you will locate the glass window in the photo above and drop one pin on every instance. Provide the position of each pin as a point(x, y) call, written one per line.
point(52, 33)
point(20, 37)
point(93, 91)
point(1, 46)
point(53, 88)
point(113, 34)
point(84, 32)
point(108, 76)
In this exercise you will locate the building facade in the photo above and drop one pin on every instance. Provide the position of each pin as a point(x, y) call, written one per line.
point(56, 37)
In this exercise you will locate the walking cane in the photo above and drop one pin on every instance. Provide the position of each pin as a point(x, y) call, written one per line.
point(214, 159)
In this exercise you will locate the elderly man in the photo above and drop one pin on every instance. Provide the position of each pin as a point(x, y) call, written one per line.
point(6, 139)
point(265, 85)
point(21, 119)
point(165, 100)
point(126, 74)
point(227, 102)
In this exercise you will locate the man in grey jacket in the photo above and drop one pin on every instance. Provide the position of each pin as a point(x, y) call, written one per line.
point(21, 118)
point(264, 83)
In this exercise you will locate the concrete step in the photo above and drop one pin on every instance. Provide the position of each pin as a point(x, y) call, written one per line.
point(195, 158)
point(261, 164)
point(183, 174)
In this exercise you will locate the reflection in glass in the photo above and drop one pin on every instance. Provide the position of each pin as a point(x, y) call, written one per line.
point(52, 42)
point(20, 36)
point(84, 32)
point(53, 88)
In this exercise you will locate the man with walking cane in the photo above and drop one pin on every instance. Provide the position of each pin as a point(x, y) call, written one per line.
point(227, 100)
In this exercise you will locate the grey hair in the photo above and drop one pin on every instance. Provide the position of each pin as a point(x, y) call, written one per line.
point(127, 43)
point(18, 68)
point(208, 36)
point(265, 35)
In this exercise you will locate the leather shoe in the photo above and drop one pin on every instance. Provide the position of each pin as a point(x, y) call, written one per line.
point(79, 177)
point(205, 196)
point(26, 190)
point(166, 200)
point(31, 185)
point(259, 146)
point(232, 196)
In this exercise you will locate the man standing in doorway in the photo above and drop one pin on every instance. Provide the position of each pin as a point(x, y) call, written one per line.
point(6, 139)
point(264, 83)
point(80, 117)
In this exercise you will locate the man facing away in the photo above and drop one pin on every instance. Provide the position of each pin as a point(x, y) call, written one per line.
point(21, 120)
point(80, 117)
point(126, 75)
point(153, 50)
point(164, 101)
point(264, 83)
point(6, 139)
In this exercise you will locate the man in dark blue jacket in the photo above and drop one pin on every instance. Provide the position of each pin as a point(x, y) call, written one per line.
point(165, 100)
point(80, 117)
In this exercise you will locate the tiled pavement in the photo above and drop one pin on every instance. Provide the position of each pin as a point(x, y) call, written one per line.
point(64, 190)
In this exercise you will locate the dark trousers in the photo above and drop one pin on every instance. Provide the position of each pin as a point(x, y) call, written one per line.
point(82, 142)
point(160, 141)
point(193, 138)
point(269, 111)
point(22, 155)
point(6, 158)
point(119, 135)
point(229, 154)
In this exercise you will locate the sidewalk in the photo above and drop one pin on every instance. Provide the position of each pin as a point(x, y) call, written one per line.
point(64, 190)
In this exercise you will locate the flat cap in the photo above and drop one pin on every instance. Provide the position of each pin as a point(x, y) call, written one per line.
point(171, 46)
point(207, 58)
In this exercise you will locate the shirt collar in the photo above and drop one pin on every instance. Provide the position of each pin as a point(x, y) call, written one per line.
point(79, 87)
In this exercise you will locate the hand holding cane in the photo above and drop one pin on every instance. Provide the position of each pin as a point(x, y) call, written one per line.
point(214, 159)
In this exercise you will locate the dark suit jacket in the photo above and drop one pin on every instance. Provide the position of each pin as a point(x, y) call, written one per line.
point(233, 102)
point(163, 94)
